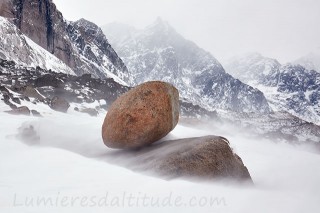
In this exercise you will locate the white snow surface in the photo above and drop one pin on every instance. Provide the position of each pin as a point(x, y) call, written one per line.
point(17, 47)
point(67, 165)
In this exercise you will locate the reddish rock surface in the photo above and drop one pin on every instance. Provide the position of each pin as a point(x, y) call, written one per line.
point(141, 116)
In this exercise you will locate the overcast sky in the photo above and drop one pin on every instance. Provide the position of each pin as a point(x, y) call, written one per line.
point(282, 29)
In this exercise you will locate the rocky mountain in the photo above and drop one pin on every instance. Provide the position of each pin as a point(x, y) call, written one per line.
point(17, 47)
point(310, 61)
point(81, 45)
point(158, 52)
point(27, 86)
point(288, 87)
point(35, 91)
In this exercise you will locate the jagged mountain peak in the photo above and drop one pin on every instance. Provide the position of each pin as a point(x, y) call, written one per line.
point(89, 30)
point(87, 24)
point(253, 57)
point(90, 27)
point(288, 87)
point(158, 52)
point(160, 25)
point(254, 67)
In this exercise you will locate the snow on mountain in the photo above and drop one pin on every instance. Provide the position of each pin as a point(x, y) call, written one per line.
point(96, 52)
point(53, 170)
point(119, 32)
point(310, 61)
point(288, 87)
point(23, 51)
point(81, 45)
point(278, 126)
point(159, 53)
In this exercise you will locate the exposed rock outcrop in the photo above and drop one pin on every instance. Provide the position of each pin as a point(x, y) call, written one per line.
point(81, 45)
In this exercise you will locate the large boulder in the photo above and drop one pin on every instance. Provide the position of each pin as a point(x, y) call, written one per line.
point(141, 116)
point(209, 158)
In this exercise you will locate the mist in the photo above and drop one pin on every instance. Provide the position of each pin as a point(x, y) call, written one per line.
point(53, 163)
point(285, 30)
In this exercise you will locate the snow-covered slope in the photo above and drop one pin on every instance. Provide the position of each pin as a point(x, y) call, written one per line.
point(290, 88)
point(159, 53)
point(74, 172)
point(23, 51)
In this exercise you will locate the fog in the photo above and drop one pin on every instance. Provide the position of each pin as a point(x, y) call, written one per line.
point(285, 30)
point(64, 156)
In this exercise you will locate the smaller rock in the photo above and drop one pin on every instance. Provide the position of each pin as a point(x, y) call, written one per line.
point(76, 109)
point(59, 104)
point(36, 113)
point(23, 110)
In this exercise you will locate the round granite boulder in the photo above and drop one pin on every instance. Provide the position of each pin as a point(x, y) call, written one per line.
point(143, 115)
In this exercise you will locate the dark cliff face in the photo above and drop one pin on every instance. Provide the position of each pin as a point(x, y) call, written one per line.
point(7, 9)
point(44, 24)
point(40, 21)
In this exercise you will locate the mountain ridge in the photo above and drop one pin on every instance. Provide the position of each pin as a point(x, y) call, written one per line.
point(288, 87)
point(160, 53)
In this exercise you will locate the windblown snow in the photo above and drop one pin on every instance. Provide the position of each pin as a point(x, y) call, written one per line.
point(66, 164)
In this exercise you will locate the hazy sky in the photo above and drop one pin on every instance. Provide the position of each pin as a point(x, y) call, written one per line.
point(282, 29)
